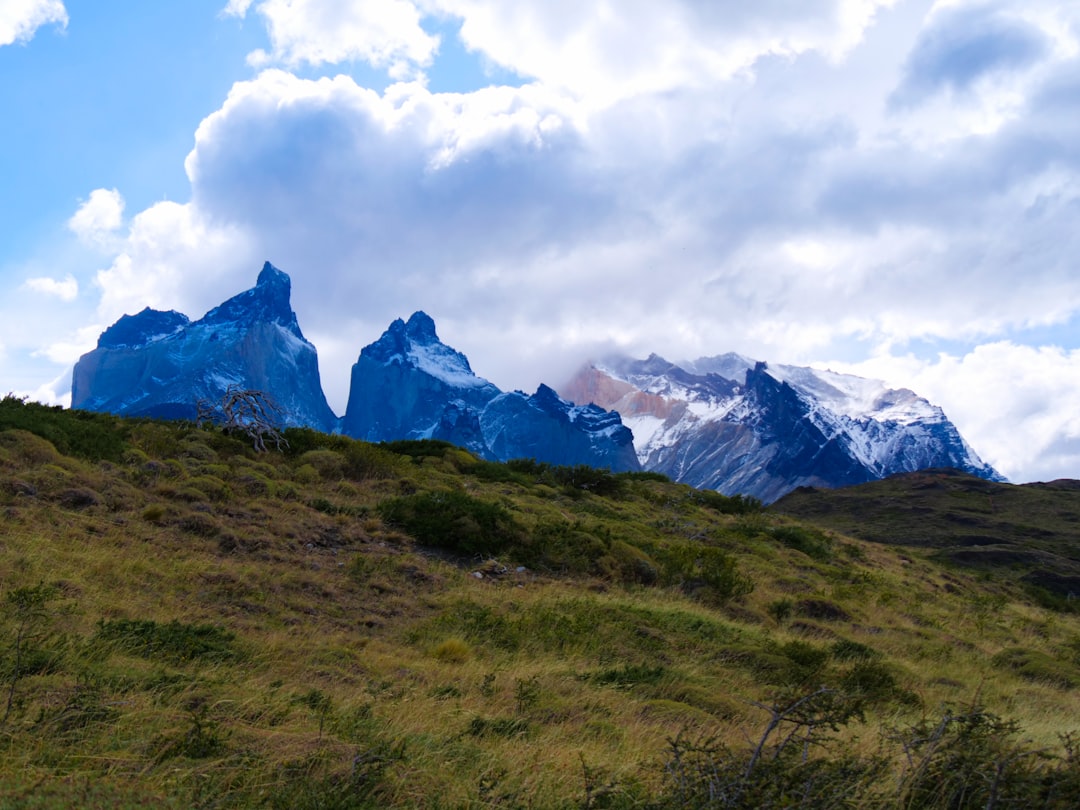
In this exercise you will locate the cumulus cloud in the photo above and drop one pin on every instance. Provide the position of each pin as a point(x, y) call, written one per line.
point(963, 44)
point(385, 33)
point(20, 19)
point(172, 257)
point(99, 218)
point(976, 63)
point(66, 289)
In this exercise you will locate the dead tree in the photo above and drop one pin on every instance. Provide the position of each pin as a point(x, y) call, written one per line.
point(242, 410)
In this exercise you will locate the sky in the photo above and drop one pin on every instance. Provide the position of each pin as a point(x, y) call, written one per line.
point(889, 188)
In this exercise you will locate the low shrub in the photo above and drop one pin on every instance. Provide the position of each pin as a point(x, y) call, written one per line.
point(329, 465)
point(706, 571)
point(454, 521)
point(452, 650)
point(811, 542)
point(727, 504)
point(91, 436)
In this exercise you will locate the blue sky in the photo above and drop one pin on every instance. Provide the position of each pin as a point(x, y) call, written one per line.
point(885, 187)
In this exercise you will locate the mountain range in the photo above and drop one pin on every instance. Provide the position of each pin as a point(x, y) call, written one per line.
point(736, 425)
point(727, 422)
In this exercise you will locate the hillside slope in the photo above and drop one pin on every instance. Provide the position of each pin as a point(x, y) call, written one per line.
point(1028, 533)
point(188, 623)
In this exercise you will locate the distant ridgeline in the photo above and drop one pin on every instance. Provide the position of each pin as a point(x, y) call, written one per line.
point(724, 423)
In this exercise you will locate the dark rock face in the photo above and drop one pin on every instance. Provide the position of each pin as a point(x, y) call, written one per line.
point(740, 427)
point(403, 384)
point(408, 384)
point(161, 364)
point(548, 428)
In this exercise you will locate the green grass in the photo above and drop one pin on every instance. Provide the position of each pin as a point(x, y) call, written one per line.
point(186, 623)
point(1027, 535)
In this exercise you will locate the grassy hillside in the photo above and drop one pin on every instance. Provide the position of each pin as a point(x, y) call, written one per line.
point(185, 622)
point(1027, 535)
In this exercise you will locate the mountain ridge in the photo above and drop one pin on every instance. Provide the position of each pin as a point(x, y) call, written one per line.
point(725, 422)
point(777, 428)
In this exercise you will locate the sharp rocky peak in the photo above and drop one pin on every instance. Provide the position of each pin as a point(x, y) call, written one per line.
point(420, 328)
point(415, 343)
point(268, 300)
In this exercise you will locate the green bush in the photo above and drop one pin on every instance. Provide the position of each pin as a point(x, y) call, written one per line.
point(707, 571)
point(643, 475)
point(781, 610)
point(628, 564)
point(847, 650)
point(455, 521)
point(562, 545)
point(92, 436)
point(584, 478)
point(811, 542)
point(330, 464)
point(727, 504)
point(419, 449)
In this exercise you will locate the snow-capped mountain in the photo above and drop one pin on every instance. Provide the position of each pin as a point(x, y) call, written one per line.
point(409, 384)
point(162, 364)
point(743, 427)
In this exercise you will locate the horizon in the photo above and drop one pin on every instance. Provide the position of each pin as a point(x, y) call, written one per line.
point(885, 188)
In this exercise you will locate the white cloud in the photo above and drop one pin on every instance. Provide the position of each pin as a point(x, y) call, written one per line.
point(385, 33)
point(65, 352)
point(237, 8)
point(975, 64)
point(56, 391)
point(19, 19)
point(514, 211)
point(65, 290)
point(99, 218)
point(605, 51)
point(172, 258)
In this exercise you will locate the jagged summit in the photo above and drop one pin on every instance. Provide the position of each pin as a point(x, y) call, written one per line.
point(421, 328)
point(416, 344)
point(409, 384)
point(269, 300)
point(726, 422)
